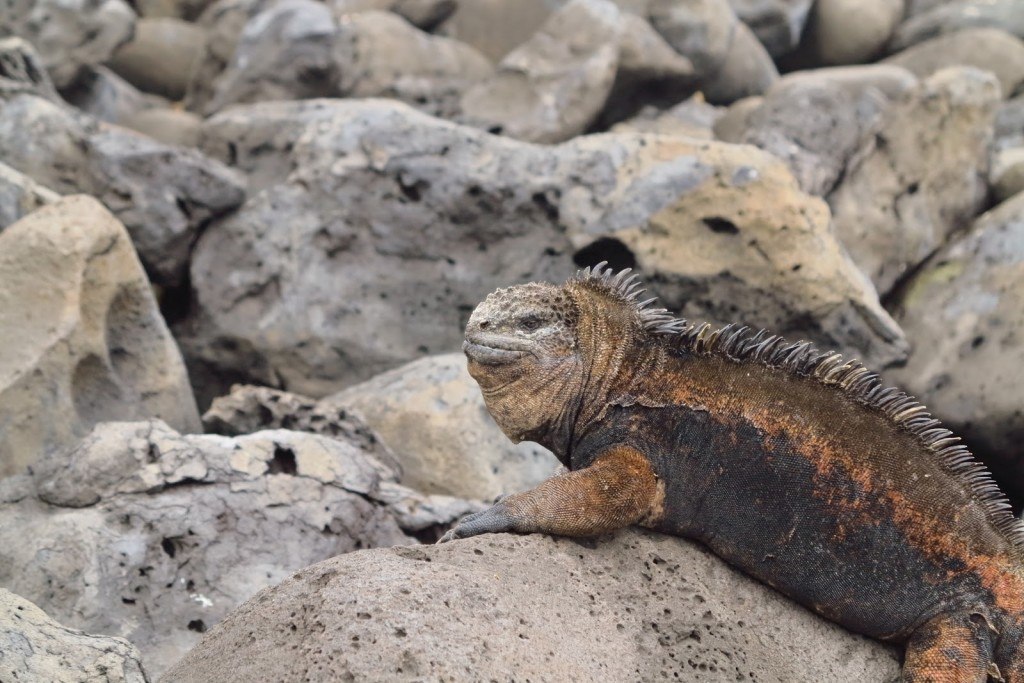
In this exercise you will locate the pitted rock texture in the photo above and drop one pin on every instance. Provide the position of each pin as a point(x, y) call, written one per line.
point(22, 70)
point(920, 177)
point(427, 417)
point(34, 647)
point(638, 606)
point(69, 34)
point(82, 338)
point(965, 310)
point(162, 194)
point(391, 226)
point(153, 536)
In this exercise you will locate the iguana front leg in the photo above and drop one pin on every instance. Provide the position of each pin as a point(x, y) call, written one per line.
point(618, 489)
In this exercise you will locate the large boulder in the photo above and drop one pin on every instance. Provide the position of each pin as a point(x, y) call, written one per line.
point(34, 647)
point(554, 85)
point(378, 229)
point(69, 34)
point(991, 49)
point(161, 56)
point(851, 31)
point(153, 536)
point(81, 337)
point(427, 416)
point(641, 606)
point(964, 312)
point(296, 49)
point(162, 194)
point(920, 177)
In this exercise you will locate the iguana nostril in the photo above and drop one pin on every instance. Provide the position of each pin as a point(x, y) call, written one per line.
point(484, 325)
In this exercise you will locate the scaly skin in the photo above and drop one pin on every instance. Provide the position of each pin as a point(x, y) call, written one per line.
point(791, 465)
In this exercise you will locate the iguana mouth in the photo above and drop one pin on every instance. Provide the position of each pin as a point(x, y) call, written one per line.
point(492, 350)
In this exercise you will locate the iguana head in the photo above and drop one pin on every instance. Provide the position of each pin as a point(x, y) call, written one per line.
point(542, 352)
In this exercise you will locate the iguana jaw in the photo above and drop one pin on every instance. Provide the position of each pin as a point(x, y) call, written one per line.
point(488, 354)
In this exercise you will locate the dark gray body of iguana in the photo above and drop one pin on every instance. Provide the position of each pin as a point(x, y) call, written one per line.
point(798, 468)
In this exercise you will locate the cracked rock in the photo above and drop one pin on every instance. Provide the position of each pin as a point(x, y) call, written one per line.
point(174, 531)
point(34, 647)
point(963, 311)
point(81, 337)
point(920, 177)
point(399, 224)
point(639, 606)
point(162, 194)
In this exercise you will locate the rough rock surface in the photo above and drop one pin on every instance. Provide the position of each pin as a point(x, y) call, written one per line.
point(815, 126)
point(431, 414)
point(296, 50)
point(553, 86)
point(777, 23)
point(82, 338)
point(953, 16)
point(851, 31)
point(701, 30)
point(20, 196)
point(161, 56)
point(69, 34)
point(965, 310)
point(691, 118)
point(391, 226)
point(640, 606)
point(153, 536)
point(162, 194)
point(920, 177)
point(22, 71)
point(105, 96)
point(990, 49)
point(427, 416)
point(34, 647)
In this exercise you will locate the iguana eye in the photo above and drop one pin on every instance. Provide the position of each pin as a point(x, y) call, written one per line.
point(529, 322)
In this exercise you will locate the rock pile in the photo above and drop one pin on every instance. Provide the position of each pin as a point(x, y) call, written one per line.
point(281, 212)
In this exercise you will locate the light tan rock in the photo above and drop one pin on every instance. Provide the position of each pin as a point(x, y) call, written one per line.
point(81, 337)
point(851, 31)
point(34, 647)
point(640, 606)
point(920, 177)
point(431, 414)
point(161, 56)
point(1007, 175)
point(496, 27)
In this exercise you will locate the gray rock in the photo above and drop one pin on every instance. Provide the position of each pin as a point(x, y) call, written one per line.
point(815, 128)
point(37, 648)
point(295, 50)
point(173, 532)
point(22, 71)
point(391, 226)
point(954, 16)
point(553, 86)
point(732, 125)
point(162, 194)
point(20, 196)
point(892, 82)
point(851, 31)
point(431, 414)
point(496, 27)
point(640, 606)
point(701, 30)
point(424, 14)
point(69, 34)
point(175, 127)
point(1007, 176)
point(105, 96)
point(691, 118)
point(748, 70)
point(223, 22)
point(778, 24)
point(915, 7)
point(921, 176)
point(644, 55)
point(964, 312)
point(160, 56)
point(1009, 124)
point(990, 49)
point(82, 339)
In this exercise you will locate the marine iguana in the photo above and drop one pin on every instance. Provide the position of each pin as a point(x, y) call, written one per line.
point(796, 466)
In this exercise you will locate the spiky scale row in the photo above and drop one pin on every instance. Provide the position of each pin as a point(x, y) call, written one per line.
point(738, 343)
